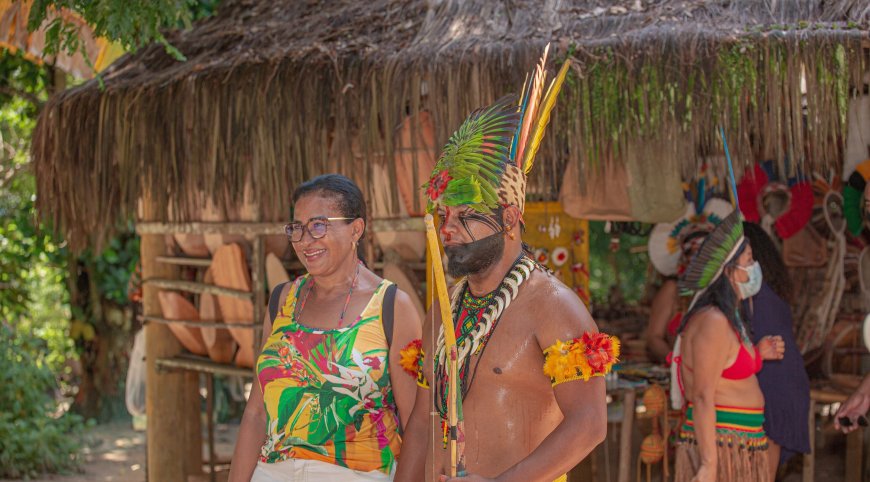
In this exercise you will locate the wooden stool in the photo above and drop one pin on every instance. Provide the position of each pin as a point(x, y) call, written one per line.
point(854, 441)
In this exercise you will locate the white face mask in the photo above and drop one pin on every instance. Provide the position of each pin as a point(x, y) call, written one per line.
point(751, 287)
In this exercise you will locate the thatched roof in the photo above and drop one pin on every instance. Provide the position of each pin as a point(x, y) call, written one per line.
point(278, 91)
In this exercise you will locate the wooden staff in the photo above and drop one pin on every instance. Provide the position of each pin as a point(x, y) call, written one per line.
point(454, 398)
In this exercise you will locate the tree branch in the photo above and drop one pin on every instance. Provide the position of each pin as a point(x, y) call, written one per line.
point(32, 98)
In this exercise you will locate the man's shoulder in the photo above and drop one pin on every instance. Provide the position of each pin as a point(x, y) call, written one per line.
point(546, 289)
point(552, 308)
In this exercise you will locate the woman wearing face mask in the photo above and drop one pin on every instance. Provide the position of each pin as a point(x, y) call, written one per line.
point(331, 395)
point(715, 363)
point(784, 383)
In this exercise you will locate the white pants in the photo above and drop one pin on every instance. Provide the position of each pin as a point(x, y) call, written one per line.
point(300, 470)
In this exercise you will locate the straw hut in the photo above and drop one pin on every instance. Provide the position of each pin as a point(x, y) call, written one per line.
point(274, 92)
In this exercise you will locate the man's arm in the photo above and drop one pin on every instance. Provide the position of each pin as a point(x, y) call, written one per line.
point(406, 328)
point(583, 403)
point(584, 406)
point(856, 406)
point(415, 442)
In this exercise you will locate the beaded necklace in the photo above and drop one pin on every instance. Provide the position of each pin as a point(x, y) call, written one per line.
point(475, 320)
point(346, 300)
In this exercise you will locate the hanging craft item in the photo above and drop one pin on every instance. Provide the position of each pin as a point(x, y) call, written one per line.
point(856, 198)
point(775, 204)
point(554, 230)
point(653, 447)
point(560, 256)
point(559, 242)
point(828, 217)
point(541, 256)
point(670, 242)
point(820, 251)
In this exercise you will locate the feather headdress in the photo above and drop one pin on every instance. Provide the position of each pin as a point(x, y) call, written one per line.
point(485, 162)
point(720, 247)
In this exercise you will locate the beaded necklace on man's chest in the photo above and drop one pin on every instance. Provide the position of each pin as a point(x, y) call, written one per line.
point(475, 319)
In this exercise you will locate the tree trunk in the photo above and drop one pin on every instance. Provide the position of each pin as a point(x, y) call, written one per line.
point(104, 353)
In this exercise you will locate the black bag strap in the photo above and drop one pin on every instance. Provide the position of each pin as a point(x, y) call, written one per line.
point(388, 310)
point(274, 300)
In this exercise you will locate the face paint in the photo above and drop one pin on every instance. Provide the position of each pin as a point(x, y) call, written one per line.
point(474, 257)
point(444, 220)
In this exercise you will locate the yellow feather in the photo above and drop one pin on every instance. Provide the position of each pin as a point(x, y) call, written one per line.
point(544, 117)
point(536, 87)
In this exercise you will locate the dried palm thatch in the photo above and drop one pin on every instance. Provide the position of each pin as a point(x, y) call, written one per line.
point(274, 92)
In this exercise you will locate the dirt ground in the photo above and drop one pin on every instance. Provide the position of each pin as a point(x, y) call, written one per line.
point(117, 454)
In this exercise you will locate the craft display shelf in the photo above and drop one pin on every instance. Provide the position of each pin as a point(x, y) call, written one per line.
point(257, 295)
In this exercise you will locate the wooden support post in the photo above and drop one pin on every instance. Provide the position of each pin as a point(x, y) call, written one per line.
point(258, 283)
point(625, 436)
point(174, 441)
point(854, 454)
point(810, 458)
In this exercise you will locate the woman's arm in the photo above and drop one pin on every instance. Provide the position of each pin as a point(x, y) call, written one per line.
point(252, 430)
point(663, 309)
point(407, 327)
point(710, 343)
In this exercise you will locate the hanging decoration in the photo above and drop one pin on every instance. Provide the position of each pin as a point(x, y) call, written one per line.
point(560, 243)
point(784, 206)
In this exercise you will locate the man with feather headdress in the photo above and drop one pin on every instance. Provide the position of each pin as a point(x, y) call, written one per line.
point(530, 358)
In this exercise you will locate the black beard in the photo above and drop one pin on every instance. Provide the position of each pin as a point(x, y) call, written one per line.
point(474, 257)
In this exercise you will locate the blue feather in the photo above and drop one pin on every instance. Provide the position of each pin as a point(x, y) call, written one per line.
point(730, 168)
point(520, 125)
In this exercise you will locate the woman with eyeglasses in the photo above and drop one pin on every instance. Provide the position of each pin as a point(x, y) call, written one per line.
point(331, 398)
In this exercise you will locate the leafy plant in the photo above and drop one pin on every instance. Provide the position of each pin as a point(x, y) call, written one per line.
point(33, 438)
point(132, 23)
point(622, 270)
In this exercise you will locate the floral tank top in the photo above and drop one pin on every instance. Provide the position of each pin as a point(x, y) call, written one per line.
point(327, 392)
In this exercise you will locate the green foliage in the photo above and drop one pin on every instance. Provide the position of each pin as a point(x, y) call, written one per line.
point(132, 23)
point(22, 244)
point(115, 264)
point(33, 439)
point(624, 270)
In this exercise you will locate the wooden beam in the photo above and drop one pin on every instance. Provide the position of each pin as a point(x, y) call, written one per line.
point(398, 224)
point(809, 466)
point(197, 323)
point(254, 228)
point(201, 365)
point(195, 287)
point(184, 261)
point(625, 432)
point(258, 285)
point(290, 265)
point(243, 228)
point(854, 454)
point(174, 441)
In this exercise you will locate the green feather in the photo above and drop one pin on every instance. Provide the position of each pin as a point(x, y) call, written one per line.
point(462, 191)
point(713, 254)
point(477, 154)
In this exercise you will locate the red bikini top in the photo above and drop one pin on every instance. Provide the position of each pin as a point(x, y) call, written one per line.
point(744, 365)
point(674, 324)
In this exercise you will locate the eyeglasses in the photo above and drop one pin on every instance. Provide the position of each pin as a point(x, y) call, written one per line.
point(316, 227)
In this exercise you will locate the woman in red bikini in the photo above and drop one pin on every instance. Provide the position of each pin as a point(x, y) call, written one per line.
point(715, 363)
